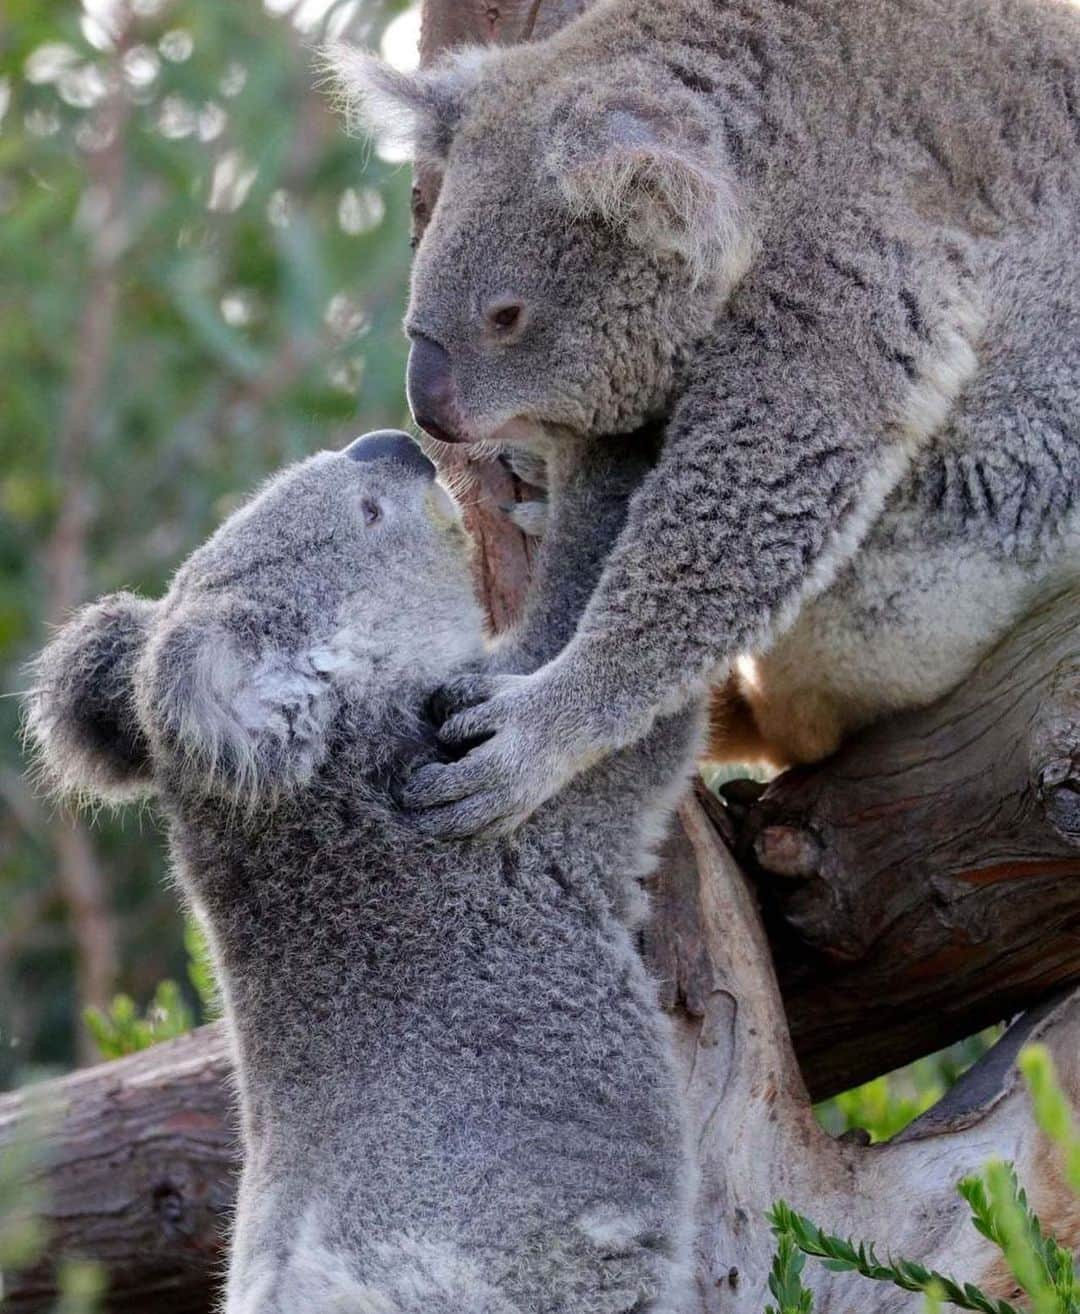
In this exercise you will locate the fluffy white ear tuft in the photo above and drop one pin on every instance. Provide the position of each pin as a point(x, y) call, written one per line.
point(417, 112)
point(81, 721)
point(655, 171)
point(240, 724)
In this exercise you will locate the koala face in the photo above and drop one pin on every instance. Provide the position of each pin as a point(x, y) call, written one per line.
point(521, 313)
point(357, 550)
point(583, 239)
point(343, 582)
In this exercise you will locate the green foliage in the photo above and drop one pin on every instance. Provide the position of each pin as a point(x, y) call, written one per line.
point(22, 1234)
point(934, 1299)
point(847, 1256)
point(1043, 1269)
point(1000, 1211)
point(1052, 1110)
point(122, 1029)
point(82, 1286)
point(884, 1107)
point(184, 223)
point(785, 1279)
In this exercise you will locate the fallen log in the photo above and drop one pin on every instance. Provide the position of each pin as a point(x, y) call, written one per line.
point(137, 1164)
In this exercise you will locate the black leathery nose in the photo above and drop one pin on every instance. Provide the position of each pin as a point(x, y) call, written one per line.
point(391, 445)
point(429, 387)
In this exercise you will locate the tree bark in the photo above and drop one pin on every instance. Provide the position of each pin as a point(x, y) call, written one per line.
point(137, 1161)
point(757, 1139)
point(926, 880)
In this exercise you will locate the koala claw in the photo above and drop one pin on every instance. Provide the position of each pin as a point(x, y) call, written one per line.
point(524, 759)
point(478, 815)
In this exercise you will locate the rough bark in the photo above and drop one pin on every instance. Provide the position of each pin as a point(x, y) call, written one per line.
point(757, 1140)
point(137, 1162)
point(924, 882)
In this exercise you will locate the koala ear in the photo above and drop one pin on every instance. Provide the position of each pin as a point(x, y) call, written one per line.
point(418, 111)
point(81, 720)
point(238, 718)
point(655, 170)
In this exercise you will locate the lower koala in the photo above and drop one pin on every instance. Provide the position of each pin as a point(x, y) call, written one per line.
point(456, 1086)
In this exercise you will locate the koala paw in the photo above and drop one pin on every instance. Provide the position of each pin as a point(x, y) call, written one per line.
point(530, 467)
point(530, 517)
point(527, 754)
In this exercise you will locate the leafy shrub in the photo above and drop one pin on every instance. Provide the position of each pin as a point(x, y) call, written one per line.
point(1043, 1269)
point(123, 1029)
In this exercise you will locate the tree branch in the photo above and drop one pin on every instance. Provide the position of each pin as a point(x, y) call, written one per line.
point(936, 888)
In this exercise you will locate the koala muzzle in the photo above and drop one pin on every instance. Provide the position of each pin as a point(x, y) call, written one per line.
point(391, 445)
point(430, 388)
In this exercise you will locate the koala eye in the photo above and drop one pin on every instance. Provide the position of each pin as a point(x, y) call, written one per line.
point(505, 315)
point(371, 511)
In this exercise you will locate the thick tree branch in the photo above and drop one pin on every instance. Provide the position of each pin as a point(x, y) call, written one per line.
point(757, 1140)
point(934, 884)
point(137, 1161)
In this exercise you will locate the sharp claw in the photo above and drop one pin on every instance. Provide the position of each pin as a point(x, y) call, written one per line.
point(458, 731)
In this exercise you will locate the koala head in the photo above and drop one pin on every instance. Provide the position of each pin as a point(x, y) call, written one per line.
point(586, 233)
point(342, 584)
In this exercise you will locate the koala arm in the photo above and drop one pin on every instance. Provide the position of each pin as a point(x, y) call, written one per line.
point(821, 381)
point(590, 484)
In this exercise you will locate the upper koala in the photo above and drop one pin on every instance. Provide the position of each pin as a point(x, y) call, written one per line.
point(456, 1085)
point(833, 246)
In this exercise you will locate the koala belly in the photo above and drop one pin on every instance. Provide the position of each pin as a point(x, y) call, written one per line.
point(900, 627)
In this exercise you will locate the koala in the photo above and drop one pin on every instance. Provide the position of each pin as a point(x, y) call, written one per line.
point(833, 248)
point(457, 1089)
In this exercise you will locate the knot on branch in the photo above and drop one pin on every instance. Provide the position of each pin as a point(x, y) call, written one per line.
point(1059, 793)
point(790, 851)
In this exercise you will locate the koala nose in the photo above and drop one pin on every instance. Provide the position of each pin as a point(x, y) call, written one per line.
point(391, 445)
point(429, 386)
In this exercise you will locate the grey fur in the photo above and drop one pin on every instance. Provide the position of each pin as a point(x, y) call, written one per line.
point(456, 1085)
point(835, 244)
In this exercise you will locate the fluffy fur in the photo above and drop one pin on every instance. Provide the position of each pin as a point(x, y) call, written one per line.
point(833, 246)
point(456, 1084)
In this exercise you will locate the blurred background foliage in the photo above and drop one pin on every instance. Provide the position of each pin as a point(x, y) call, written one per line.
point(201, 278)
